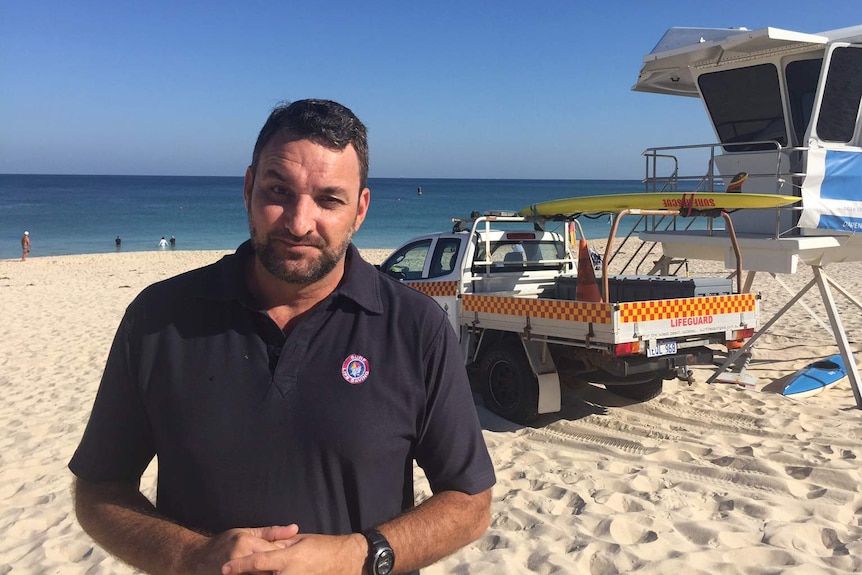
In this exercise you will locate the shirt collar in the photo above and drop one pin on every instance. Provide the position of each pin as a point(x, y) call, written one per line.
point(361, 281)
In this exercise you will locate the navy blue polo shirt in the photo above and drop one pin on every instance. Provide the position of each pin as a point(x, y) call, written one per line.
point(252, 428)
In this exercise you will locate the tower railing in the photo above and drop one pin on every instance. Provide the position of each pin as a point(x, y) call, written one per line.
point(664, 172)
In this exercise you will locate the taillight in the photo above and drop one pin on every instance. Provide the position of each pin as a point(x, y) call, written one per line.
point(737, 338)
point(629, 348)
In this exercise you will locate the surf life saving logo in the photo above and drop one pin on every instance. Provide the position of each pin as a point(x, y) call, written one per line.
point(355, 369)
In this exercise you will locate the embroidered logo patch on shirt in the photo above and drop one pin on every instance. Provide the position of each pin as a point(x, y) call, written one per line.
point(355, 369)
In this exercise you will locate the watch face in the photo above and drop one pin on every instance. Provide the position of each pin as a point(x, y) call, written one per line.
point(384, 562)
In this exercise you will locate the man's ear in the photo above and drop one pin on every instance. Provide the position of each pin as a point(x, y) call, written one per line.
point(247, 187)
point(362, 208)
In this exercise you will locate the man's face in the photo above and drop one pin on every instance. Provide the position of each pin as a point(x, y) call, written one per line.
point(304, 204)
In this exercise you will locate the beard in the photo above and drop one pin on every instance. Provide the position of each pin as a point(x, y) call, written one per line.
point(290, 267)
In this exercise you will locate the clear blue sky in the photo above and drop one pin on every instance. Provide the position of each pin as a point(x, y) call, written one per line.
point(466, 89)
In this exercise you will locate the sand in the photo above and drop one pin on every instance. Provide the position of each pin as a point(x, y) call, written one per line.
point(705, 478)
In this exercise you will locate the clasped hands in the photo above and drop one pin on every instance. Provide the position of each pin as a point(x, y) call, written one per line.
point(283, 550)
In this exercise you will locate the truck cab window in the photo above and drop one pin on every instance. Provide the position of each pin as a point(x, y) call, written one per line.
point(408, 262)
point(444, 258)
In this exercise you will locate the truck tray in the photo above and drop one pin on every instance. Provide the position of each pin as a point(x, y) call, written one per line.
point(644, 288)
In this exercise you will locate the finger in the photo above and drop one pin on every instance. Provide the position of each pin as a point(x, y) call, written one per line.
point(255, 545)
point(254, 563)
point(277, 532)
point(273, 532)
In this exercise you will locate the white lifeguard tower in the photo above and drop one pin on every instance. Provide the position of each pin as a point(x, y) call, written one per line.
point(785, 107)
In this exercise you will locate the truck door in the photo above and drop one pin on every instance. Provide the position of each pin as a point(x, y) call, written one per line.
point(430, 265)
point(409, 262)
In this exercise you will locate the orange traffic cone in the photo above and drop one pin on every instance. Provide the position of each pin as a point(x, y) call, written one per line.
point(588, 288)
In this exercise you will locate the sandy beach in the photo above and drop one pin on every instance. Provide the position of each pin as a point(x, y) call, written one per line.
point(714, 479)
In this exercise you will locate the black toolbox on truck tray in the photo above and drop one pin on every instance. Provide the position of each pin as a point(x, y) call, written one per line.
point(630, 288)
point(645, 288)
point(566, 286)
point(671, 287)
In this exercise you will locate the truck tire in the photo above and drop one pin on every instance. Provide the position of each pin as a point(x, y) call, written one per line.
point(639, 391)
point(508, 385)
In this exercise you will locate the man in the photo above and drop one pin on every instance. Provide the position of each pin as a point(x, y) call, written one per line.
point(25, 246)
point(286, 391)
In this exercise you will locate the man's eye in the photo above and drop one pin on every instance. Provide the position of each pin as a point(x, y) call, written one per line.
point(279, 191)
point(331, 201)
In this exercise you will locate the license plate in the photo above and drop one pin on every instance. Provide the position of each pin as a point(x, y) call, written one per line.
point(662, 347)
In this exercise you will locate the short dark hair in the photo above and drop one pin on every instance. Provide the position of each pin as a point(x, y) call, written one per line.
point(324, 122)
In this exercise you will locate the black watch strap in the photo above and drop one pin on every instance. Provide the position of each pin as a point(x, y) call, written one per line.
point(381, 557)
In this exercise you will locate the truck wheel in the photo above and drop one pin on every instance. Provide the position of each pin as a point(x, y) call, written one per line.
point(508, 385)
point(639, 391)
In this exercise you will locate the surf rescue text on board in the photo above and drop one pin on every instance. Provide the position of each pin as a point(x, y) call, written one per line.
point(686, 321)
point(689, 202)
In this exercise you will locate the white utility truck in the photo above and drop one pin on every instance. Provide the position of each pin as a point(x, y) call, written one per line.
point(509, 286)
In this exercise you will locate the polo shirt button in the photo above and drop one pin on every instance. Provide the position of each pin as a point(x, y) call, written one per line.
point(276, 351)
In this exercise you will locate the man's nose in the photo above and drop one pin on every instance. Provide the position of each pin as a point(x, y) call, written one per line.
point(299, 216)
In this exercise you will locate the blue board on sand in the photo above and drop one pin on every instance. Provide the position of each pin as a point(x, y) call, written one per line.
point(815, 377)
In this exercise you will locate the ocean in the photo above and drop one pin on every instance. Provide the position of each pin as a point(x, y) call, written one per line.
point(84, 214)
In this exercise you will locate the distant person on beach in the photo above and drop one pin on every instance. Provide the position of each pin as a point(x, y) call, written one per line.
point(25, 246)
point(163, 243)
point(118, 242)
point(286, 391)
point(173, 242)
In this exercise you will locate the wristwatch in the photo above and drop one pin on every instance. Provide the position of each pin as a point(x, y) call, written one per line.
point(381, 557)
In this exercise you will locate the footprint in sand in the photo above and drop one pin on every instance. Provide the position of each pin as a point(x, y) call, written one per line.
point(810, 539)
point(67, 550)
point(625, 532)
point(619, 502)
point(24, 529)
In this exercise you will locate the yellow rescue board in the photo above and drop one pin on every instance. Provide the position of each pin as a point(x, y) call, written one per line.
point(657, 201)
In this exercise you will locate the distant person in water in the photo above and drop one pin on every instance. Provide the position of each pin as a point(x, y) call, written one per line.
point(118, 241)
point(173, 242)
point(163, 243)
point(25, 246)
